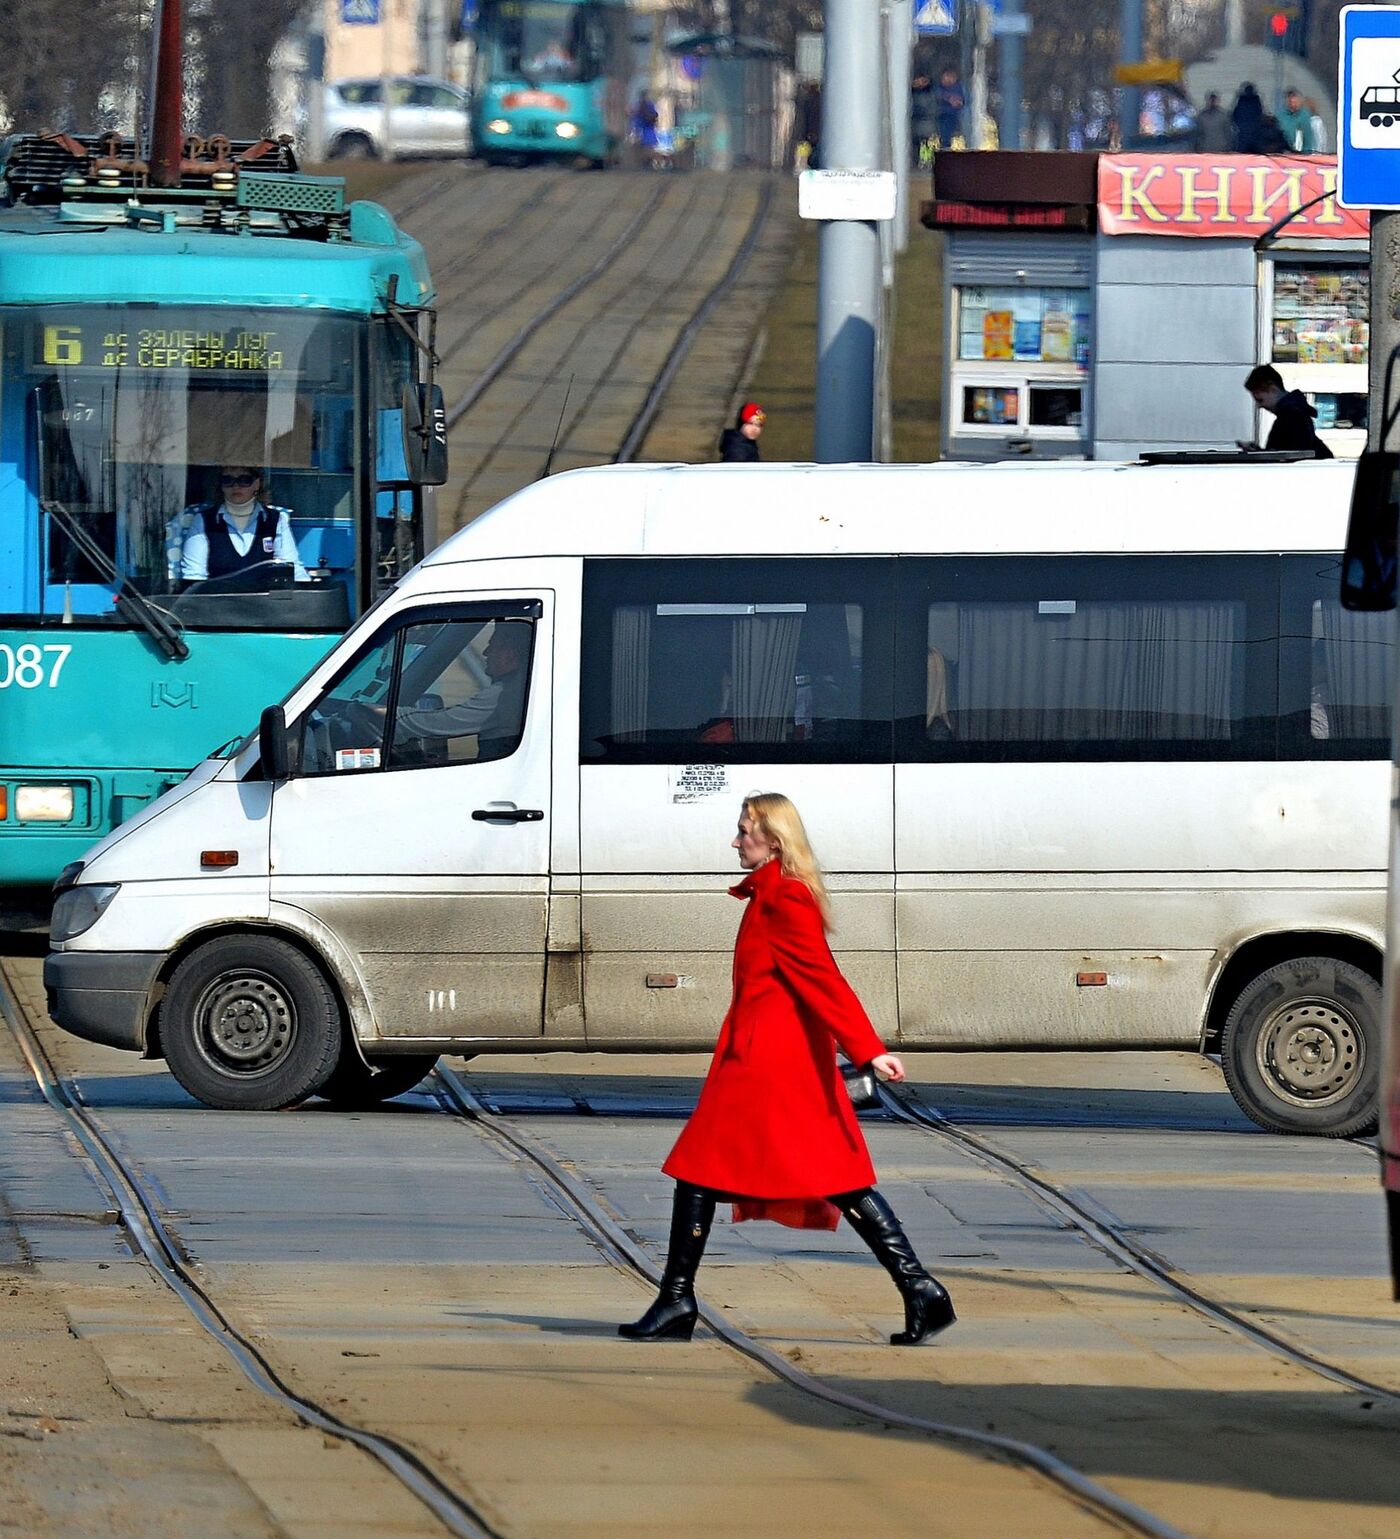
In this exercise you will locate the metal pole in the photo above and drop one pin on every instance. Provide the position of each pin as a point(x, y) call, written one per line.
point(848, 272)
point(1129, 52)
point(435, 50)
point(1011, 49)
point(975, 135)
point(386, 81)
point(1385, 328)
point(315, 83)
point(167, 115)
point(901, 59)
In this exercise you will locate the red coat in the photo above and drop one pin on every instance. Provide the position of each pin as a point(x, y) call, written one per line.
point(774, 1119)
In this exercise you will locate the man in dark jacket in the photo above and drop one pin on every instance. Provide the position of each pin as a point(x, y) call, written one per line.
point(1247, 115)
point(740, 443)
point(1293, 416)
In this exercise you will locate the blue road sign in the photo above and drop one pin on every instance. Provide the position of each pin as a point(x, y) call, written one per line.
point(936, 18)
point(1368, 107)
point(359, 13)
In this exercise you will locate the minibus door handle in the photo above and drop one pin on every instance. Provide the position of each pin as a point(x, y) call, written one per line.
point(508, 815)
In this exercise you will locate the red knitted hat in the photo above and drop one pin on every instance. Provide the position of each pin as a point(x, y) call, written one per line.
point(751, 411)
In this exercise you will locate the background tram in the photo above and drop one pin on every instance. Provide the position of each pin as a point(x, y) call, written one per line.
point(151, 338)
point(551, 80)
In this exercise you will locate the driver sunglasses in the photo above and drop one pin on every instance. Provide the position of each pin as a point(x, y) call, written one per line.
point(243, 480)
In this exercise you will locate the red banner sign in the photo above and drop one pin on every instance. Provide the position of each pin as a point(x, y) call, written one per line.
point(1224, 196)
point(547, 101)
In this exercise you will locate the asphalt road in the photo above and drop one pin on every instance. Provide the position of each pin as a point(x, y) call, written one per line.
point(401, 1268)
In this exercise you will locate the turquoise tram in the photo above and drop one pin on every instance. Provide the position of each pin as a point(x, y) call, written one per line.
point(245, 338)
point(551, 80)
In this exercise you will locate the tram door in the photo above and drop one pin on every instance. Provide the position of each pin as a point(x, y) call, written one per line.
point(416, 823)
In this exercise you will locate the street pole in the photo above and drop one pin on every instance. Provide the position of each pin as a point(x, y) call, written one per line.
point(848, 271)
point(1385, 328)
point(315, 84)
point(435, 44)
point(1129, 52)
point(901, 149)
point(386, 81)
point(977, 88)
point(1011, 52)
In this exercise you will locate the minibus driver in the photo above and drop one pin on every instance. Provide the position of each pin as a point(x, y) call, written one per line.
point(495, 714)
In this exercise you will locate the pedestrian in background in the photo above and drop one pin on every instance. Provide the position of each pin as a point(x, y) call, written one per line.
point(1295, 122)
point(739, 444)
point(1246, 116)
point(951, 99)
point(1215, 134)
point(774, 1131)
point(1293, 415)
point(923, 116)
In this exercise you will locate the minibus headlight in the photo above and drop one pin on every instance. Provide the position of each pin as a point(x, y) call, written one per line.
point(78, 909)
point(498, 126)
point(566, 130)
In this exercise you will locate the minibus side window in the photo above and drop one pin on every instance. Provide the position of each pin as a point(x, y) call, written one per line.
point(454, 687)
point(1336, 668)
point(744, 660)
point(1088, 658)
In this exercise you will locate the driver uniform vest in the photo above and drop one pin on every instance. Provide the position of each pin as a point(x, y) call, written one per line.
point(224, 556)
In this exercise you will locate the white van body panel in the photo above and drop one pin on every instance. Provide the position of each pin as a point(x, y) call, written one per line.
point(968, 897)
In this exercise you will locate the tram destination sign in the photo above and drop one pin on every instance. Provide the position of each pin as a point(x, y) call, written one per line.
point(195, 350)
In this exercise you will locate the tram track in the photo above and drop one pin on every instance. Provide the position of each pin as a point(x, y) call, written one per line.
point(134, 1198)
point(653, 399)
point(460, 1098)
point(1094, 1228)
point(517, 343)
point(135, 1201)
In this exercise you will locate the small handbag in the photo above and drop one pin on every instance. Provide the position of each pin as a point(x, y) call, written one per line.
point(862, 1085)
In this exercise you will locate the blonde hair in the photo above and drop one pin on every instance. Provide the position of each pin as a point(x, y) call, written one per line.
point(779, 822)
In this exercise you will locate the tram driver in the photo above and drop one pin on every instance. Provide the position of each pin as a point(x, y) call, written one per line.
point(240, 533)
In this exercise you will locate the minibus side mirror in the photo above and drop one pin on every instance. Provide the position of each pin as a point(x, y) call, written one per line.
point(273, 748)
point(425, 434)
point(1368, 564)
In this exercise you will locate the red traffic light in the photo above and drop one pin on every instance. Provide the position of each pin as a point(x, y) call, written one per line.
point(1278, 24)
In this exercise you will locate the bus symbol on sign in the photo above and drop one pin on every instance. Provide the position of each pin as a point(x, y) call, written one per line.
point(359, 13)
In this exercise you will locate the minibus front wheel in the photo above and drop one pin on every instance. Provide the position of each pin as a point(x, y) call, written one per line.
point(249, 1023)
point(1301, 1047)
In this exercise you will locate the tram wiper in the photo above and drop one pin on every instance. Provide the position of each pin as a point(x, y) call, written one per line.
point(131, 603)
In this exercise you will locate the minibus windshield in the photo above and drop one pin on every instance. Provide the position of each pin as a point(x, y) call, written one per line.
point(194, 454)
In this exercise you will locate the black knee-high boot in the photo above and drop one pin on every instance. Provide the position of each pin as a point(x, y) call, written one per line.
point(675, 1310)
point(927, 1307)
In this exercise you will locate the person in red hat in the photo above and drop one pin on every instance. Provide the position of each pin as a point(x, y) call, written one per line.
point(774, 1131)
point(740, 443)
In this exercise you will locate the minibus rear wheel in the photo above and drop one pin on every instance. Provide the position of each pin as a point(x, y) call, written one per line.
point(250, 1023)
point(1301, 1048)
point(356, 1086)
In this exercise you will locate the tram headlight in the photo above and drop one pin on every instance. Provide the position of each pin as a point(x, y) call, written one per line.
point(44, 804)
point(566, 130)
point(78, 909)
point(498, 126)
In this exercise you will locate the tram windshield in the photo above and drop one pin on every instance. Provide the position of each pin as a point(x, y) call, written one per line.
point(539, 41)
point(203, 460)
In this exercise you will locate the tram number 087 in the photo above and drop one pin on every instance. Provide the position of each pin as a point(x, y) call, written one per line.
point(30, 666)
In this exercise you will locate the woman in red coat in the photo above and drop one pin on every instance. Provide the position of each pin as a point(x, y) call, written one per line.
point(774, 1131)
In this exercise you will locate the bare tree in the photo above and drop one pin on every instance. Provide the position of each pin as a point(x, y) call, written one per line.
point(231, 48)
point(64, 60)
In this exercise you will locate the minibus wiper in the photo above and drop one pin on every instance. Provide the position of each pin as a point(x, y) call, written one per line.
point(131, 603)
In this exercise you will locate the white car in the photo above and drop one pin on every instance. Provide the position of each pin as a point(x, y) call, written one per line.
point(426, 117)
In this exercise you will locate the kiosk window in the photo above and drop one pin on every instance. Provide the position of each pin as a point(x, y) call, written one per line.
point(1321, 314)
point(745, 661)
point(1035, 325)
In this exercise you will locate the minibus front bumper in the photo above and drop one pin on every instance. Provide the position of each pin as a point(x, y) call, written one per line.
point(102, 996)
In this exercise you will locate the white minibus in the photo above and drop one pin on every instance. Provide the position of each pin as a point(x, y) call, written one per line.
point(1091, 752)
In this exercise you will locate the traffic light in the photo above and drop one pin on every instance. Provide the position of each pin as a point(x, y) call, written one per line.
point(1278, 26)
